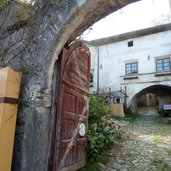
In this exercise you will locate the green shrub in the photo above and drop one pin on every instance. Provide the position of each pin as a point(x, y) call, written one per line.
point(98, 107)
point(3, 3)
point(103, 130)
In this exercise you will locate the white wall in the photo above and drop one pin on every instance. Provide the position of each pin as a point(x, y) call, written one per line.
point(112, 59)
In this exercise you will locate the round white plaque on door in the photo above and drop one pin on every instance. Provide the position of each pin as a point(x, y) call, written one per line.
point(82, 129)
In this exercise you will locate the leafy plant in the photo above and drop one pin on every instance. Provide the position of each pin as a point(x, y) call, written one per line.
point(98, 107)
point(103, 130)
point(3, 3)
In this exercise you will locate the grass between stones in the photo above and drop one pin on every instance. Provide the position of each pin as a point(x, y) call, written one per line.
point(169, 152)
point(146, 147)
point(159, 163)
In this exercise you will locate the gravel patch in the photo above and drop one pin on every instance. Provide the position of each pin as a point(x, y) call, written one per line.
point(146, 146)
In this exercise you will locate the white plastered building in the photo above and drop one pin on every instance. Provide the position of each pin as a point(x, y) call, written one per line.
point(138, 62)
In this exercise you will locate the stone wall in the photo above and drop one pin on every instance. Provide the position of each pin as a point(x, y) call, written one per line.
point(148, 100)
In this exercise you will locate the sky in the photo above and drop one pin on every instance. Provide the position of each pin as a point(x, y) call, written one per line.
point(135, 16)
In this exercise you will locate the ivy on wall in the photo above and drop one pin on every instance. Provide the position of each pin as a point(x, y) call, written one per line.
point(3, 3)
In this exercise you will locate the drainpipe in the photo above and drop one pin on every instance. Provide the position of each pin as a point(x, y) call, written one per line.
point(98, 63)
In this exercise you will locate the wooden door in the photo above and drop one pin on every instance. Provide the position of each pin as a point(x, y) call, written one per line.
point(72, 111)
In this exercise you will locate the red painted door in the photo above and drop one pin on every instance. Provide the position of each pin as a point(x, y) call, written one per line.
point(72, 112)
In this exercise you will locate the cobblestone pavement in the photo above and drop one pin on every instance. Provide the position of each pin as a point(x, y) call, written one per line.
point(145, 147)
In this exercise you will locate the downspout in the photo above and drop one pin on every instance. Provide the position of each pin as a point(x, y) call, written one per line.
point(98, 75)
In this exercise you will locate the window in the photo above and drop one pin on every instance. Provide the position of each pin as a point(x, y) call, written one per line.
point(130, 43)
point(131, 68)
point(163, 64)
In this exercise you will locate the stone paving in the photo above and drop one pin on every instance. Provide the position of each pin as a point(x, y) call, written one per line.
point(146, 146)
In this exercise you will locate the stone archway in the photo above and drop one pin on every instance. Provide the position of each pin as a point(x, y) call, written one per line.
point(162, 91)
point(35, 45)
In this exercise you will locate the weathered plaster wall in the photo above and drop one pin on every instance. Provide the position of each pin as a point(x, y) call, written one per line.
point(113, 57)
point(31, 38)
point(148, 100)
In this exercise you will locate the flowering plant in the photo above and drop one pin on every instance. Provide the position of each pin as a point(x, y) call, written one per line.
point(103, 130)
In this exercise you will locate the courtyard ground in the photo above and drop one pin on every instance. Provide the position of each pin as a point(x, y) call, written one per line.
point(146, 146)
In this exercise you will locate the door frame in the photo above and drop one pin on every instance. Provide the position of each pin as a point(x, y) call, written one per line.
point(55, 94)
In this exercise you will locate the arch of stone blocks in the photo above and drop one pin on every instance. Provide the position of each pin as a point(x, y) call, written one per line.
point(60, 22)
